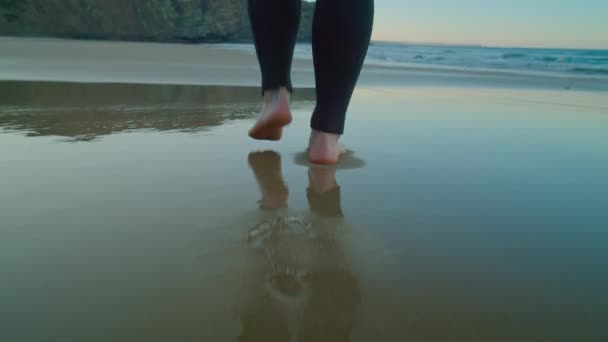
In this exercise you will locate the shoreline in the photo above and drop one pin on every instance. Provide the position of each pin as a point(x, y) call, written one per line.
point(82, 61)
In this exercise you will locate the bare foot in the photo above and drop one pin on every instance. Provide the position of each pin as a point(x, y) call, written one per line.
point(275, 115)
point(324, 148)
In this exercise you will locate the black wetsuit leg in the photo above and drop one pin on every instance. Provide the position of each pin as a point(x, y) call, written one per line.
point(275, 30)
point(341, 35)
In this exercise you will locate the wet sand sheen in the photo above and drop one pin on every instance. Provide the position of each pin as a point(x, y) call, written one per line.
point(145, 213)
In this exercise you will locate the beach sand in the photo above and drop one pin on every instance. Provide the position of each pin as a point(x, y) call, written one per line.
point(40, 59)
point(144, 212)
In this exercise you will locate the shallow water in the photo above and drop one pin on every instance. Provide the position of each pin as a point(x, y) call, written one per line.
point(145, 213)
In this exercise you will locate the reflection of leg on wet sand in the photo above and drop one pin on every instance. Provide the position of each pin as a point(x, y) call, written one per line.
point(323, 191)
point(301, 288)
point(267, 169)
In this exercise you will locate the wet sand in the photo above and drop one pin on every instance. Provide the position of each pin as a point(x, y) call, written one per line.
point(144, 212)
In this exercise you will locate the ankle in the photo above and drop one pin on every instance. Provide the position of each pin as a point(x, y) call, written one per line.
point(323, 137)
point(273, 95)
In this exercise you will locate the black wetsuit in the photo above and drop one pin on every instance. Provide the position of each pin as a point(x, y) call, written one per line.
point(341, 34)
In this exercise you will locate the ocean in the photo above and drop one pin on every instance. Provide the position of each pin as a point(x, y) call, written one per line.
point(531, 61)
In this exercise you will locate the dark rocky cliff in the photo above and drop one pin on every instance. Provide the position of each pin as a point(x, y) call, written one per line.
point(138, 20)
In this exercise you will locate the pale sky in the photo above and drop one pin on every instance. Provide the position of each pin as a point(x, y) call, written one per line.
point(536, 23)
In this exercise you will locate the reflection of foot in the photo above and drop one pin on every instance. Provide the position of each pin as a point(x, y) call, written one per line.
point(322, 179)
point(323, 192)
point(267, 169)
point(275, 115)
point(324, 148)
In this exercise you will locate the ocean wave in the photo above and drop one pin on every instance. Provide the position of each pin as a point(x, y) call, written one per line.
point(549, 59)
point(589, 71)
point(513, 55)
point(593, 53)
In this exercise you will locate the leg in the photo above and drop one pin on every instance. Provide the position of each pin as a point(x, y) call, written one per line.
point(341, 35)
point(275, 27)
